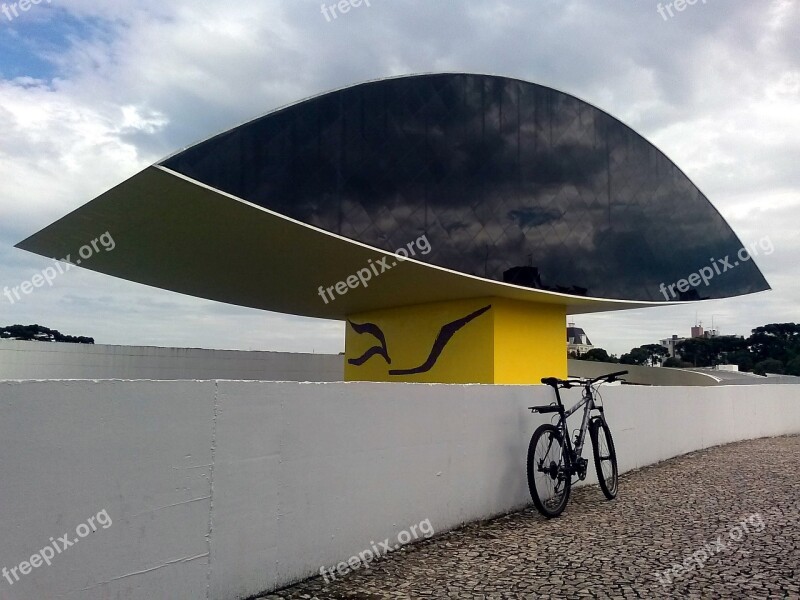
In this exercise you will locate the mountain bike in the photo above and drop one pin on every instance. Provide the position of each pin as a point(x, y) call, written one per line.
point(553, 460)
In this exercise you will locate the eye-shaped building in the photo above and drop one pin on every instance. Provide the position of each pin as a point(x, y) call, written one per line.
point(452, 219)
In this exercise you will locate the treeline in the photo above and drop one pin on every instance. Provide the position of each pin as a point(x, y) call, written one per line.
point(773, 348)
point(38, 333)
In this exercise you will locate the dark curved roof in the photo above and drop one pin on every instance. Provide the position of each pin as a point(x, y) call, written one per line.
point(575, 335)
point(508, 180)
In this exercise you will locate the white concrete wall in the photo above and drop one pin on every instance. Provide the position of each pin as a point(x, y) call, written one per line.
point(43, 360)
point(225, 489)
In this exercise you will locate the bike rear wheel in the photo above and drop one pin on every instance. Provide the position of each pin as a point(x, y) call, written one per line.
point(605, 457)
point(549, 480)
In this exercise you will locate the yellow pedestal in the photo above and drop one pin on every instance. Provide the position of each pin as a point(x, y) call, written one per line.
point(483, 340)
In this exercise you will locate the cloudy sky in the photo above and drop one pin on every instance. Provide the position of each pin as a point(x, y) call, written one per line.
point(92, 92)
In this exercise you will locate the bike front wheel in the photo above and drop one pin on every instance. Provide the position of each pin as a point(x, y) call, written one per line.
point(549, 478)
point(605, 457)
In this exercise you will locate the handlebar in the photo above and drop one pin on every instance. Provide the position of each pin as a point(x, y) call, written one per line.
point(613, 376)
point(575, 381)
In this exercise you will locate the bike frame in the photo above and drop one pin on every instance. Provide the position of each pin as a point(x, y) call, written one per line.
point(586, 401)
point(577, 464)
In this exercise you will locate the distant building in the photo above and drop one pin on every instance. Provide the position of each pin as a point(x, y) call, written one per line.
point(670, 343)
point(577, 340)
point(697, 331)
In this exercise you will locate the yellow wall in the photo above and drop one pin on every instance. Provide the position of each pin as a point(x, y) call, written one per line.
point(530, 341)
point(511, 342)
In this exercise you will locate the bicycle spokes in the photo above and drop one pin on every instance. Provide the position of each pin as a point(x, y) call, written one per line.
point(549, 478)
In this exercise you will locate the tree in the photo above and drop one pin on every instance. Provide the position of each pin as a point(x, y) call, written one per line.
point(742, 358)
point(676, 363)
point(656, 353)
point(707, 352)
point(793, 366)
point(637, 356)
point(598, 355)
point(696, 351)
point(769, 365)
point(780, 341)
point(649, 354)
point(38, 333)
point(726, 345)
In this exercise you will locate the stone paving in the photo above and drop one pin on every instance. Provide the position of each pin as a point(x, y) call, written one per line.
point(725, 520)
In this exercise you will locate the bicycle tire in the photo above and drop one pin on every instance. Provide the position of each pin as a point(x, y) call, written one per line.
point(608, 480)
point(548, 509)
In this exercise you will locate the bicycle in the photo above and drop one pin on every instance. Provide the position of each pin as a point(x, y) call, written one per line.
point(553, 460)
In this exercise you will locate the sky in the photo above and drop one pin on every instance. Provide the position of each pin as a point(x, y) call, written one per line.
point(93, 92)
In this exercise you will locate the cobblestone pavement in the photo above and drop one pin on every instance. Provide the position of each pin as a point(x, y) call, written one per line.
point(737, 504)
